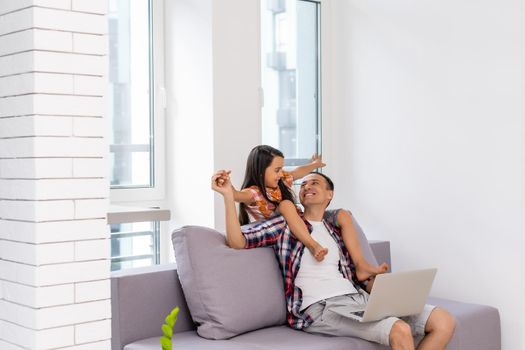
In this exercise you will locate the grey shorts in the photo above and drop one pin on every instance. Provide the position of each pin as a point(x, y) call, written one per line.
point(330, 323)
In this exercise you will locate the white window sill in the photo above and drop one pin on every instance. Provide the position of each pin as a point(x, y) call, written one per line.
point(119, 214)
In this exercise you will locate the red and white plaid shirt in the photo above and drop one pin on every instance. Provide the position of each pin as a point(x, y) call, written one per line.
point(289, 251)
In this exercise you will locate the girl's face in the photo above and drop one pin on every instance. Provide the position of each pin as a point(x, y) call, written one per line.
point(274, 172)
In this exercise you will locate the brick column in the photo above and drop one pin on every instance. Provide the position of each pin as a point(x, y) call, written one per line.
point(54, 241)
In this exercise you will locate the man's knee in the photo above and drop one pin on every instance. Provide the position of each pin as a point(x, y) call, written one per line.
point(401, 333)
point(441, 321)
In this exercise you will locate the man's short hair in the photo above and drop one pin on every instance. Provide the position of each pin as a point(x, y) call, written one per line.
point(329, 181)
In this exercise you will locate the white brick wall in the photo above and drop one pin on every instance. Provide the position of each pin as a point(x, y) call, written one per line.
point(105, 344)
point(39, 168)
point(91, 250)
point(96, 290)
point(38, 340)
point(53, 231)
point(92, 331)
point(38, 297)
point(44, 40)
point(49, 275)
point(44, 147)
point(54, 240)
point(90, 208)
point(46, 104)
point(56, 316)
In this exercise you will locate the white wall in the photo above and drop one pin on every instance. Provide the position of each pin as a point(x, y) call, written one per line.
point(54, 240)
point(429, 138)
point(213, 108)
point(189, 114)
point(236, 82)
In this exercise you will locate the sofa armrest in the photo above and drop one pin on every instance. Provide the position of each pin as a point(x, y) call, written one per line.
point(140, 300)
point(381, 250)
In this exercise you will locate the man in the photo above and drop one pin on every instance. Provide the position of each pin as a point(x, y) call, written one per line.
point(312, 288)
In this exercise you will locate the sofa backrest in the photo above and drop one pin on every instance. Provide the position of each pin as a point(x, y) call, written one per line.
point(140, 300)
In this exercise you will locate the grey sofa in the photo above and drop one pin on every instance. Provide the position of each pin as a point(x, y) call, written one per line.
point(141, 298)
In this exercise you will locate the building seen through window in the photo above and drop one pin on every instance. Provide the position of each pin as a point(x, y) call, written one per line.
point(291, 77)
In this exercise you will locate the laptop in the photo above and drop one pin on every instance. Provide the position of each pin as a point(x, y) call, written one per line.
point(394, 294)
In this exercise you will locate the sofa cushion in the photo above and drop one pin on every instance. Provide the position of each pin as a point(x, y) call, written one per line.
point(271, 338)
point(228, 291)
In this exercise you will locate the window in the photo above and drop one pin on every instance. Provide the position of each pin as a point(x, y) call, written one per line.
point(135, 245)
point(291, 117)
point(135, 100)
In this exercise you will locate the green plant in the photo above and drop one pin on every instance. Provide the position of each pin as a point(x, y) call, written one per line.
point(167, 329)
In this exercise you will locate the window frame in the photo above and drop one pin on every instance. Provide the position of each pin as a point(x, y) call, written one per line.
point(158, 112)
point(319, 97)
point(292, 162)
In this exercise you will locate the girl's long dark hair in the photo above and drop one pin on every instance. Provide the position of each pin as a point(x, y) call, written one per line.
point(259, 159)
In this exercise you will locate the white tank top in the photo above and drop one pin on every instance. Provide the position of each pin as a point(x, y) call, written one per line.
point(321, 280)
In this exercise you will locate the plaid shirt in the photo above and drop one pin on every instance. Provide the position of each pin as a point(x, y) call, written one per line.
point(289, 250)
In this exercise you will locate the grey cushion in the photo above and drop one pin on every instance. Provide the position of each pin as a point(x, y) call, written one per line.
point(188, 341)
point(365, 247)
point(228, 291)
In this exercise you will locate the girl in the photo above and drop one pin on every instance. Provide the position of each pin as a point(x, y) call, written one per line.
point(267, 188)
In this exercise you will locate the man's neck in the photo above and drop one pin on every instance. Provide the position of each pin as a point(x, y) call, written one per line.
point(314, 213)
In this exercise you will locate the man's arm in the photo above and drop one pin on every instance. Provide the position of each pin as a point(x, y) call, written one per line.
point(234, 236)
point(259, 234)
point(303, 170)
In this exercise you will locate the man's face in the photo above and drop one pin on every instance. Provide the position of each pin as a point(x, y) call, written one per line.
point(314, 190)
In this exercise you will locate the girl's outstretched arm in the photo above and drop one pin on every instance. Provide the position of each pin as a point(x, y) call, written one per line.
point(242, 196)
point(222, 185)
point(303, 170)
point(299, 229)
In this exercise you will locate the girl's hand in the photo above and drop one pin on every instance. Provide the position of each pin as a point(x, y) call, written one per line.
point(224, 176)
point(220, 182)
point(317, 160)
point(303, 170)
